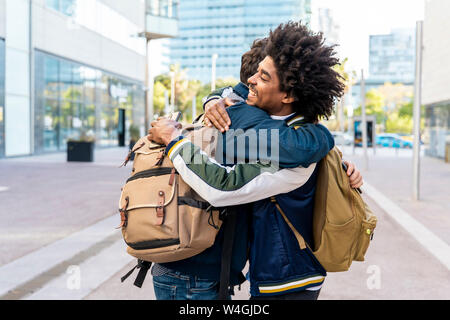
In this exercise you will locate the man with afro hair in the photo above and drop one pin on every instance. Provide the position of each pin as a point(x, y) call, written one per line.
point(295, 83)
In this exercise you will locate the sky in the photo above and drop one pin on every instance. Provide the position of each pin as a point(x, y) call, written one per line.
point(360, 18)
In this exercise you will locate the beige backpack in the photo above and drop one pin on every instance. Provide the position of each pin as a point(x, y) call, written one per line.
point(343, 224)
point(162, 218)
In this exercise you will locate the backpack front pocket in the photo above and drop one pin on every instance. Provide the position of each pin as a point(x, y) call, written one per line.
point(337, 257)
point(151, 213)
point(198, 224)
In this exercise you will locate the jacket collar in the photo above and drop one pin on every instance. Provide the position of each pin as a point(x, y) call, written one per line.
point(242, 90)
point(295, 119)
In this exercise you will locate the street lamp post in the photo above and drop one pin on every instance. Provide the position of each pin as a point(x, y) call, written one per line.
point(213, 71)
point(341, 114)
point(166, 103)
point(148, 109)
point(364, 120)
point(172, 91)
point(416, 111)
point(194, 107)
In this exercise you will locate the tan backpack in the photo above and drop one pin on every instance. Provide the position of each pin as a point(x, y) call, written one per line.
point(162, 218)
point(343, 224)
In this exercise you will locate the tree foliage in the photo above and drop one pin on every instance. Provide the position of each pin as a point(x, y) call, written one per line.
point(393, 107)
point(185, 90)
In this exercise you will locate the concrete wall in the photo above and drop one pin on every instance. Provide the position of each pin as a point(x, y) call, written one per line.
point(133, 10)
point(436, 62)
point(2, 18)
point(17, 79)
point(58, 34)
point(101, 38)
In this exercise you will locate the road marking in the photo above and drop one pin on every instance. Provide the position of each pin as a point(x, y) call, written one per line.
point(3, 188)
point(23, 270)
point(436, 246)
point(92, 273)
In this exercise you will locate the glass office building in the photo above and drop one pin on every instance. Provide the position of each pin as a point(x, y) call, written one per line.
point(438, 129)
point(72, 99)
point(66, 7)
point(227, 28)
point(392, 56)
point(71, 69)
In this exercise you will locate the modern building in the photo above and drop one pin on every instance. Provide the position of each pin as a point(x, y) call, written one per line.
point(392, 56)
point(323, 20)
point(74, 67)
point(436, 77)
point(227, 28)
point(391, 59)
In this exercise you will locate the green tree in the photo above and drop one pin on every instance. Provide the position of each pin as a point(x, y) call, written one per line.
point(158, 96)
point(374, 105)
point(185, 90)
point(401, 121)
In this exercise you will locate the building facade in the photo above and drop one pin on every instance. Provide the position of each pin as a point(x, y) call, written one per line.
point(227, 28)
point(391, 60)
point(392, 56)
point(70, 68)
point(436, 77)
point(323, 20)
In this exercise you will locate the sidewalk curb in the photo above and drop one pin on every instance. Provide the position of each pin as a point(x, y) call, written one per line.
point(432, 243)
point(88, 275)
point(34, 264)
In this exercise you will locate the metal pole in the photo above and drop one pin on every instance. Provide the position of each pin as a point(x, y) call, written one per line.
point(147, 111)
point(31, 70)
point(416, 111)
point(213, 71)
point(341, 114)
point(172, 91)
point(349, 108)
point(166, 103)
point(351, 120)
point(194, 107)
point(364, 120)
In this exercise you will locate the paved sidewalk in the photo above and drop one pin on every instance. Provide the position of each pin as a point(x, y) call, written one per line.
point(390, 172)
point(61, 215)
point(48, 198)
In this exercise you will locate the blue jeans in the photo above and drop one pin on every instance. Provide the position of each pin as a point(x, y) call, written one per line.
point(177, 286)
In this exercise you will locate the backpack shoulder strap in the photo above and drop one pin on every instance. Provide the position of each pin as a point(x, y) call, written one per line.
point(301, 241)
point(225, 269)
point(143, 267)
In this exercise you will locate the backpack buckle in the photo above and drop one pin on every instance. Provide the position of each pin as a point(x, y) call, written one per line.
point(160, 208)
point(124, 214)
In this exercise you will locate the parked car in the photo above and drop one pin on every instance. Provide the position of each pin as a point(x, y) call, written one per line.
point(392, 140)
point(341, 138)
point(409, 137)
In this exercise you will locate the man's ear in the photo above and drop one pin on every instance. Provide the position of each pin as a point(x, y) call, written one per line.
point(288, 99)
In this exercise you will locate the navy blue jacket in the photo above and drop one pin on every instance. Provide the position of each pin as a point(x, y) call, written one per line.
point(313, 143)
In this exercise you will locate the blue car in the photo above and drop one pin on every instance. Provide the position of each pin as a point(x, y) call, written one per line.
point(392, 140)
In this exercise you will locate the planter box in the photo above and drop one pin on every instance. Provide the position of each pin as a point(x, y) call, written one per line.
point(80, 151)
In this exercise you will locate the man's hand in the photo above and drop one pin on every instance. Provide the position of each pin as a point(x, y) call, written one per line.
point(356, 180)
point(164, 130)
point(216, 115)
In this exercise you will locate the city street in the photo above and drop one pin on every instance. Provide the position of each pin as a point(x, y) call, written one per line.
point(59, 239)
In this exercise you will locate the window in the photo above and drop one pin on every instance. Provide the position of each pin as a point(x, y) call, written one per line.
point(72, 99)
point(164, 8)
point(67, 7)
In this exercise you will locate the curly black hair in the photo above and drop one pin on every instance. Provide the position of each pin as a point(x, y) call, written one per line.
point(251, 59)
point(305, 68)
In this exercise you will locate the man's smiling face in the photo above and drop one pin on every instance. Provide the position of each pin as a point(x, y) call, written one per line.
point(264, 90)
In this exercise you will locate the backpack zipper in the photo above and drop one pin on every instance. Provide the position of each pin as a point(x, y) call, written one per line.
point(150, 173)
